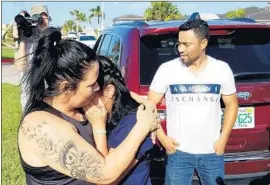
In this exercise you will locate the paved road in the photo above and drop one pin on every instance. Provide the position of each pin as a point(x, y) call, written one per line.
point(12, 76)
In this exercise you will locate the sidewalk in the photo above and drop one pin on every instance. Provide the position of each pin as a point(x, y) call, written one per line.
point(10, 74)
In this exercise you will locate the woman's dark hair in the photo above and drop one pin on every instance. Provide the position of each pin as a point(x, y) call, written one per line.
point(55, 60)
point(123, 102)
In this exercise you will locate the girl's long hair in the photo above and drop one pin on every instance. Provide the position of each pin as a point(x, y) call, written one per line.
point(123, 102)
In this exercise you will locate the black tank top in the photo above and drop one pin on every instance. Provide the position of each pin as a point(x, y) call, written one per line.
point(46, 175)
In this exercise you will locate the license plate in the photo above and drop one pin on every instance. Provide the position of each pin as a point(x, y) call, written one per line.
point(245, 118)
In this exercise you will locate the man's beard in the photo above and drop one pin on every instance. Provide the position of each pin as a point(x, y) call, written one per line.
point(187, 63)
point(190, 62)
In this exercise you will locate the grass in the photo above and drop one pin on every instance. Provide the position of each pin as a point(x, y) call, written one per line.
point(7, 52)
point(12, 173)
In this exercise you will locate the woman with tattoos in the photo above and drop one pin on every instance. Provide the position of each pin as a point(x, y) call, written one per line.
point(55, 139)
point(121, 109)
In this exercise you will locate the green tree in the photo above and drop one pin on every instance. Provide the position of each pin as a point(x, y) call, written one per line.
point(68, 26)
point(97, 12)
point(230, 14)
point(79, 17)
point(163, 11)
point(7, 33)
point(239, 13)
point(89, 19)
point(80, 28)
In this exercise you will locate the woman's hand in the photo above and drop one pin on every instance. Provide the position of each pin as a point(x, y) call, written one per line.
point(140, 99)
point(150, 105)
point(96, 114)
point(148, 118)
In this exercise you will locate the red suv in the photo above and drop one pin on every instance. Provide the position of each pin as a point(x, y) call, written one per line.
point(139, 48)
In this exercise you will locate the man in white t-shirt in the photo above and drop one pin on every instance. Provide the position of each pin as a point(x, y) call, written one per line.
point(193, 85)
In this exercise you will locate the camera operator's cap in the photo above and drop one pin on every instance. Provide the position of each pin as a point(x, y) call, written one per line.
point(38, 9)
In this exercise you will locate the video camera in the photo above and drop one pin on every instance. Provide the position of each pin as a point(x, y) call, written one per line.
point(27, 26)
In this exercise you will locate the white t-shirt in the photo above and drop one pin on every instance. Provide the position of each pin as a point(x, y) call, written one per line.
point(193, 110)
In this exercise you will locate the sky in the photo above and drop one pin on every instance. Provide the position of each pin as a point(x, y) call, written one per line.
point(59, 11)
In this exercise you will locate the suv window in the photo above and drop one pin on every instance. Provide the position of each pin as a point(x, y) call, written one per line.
point(103, 50)
point(155, 50)
point(245, 50)
point(87, 38)
point(114, 50)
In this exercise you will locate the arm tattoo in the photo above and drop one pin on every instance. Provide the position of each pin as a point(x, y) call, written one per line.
point(81, 165)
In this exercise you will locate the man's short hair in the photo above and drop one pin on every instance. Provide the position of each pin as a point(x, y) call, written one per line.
point(200, 28)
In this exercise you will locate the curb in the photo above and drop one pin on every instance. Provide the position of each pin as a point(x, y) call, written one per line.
point(7, 60)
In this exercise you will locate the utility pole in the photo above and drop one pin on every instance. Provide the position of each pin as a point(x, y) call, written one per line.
point(102, 16)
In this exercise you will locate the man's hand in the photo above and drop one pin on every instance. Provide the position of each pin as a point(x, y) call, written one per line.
point(230, 115)
point(169, 144)
point(219, 147)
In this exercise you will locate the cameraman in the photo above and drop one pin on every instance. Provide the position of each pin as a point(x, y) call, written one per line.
point(26, 48)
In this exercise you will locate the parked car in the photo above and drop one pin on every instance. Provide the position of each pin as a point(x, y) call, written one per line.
point(88, 40)
point(72, 35)
point(139, 48)
point(82, 33)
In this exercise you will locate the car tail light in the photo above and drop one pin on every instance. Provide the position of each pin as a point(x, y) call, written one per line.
point(221, 31)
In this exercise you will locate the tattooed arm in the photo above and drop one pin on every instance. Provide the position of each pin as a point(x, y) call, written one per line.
point(58, 145)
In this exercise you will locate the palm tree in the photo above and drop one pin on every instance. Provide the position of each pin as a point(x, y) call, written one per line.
point(68, 26)
point(7, 29)
point(79, 17)
point(89, 19)
point(80, 28)
point(97, 12)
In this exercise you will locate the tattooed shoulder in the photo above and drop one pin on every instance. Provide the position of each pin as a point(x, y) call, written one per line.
point(31, 130)
point(35, 132)
point(64, 152)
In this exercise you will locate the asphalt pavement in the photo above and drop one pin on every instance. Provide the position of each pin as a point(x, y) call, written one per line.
point(10, 74)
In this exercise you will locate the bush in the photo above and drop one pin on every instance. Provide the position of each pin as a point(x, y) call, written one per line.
point(7, 52)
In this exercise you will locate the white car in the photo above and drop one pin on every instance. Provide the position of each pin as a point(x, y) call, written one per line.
point(72, 35)
point(88, 40)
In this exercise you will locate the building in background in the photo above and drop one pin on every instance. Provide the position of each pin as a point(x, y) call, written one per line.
point(262, 16)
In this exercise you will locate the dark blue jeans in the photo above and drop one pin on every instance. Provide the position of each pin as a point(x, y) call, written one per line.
point(180, 168)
